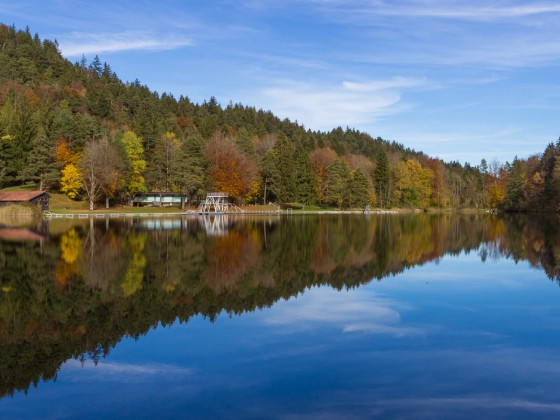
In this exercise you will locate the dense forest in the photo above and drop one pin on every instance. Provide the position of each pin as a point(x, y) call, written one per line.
point(78, 129)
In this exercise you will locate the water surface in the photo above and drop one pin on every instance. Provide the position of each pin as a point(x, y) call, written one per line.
point(302, 316)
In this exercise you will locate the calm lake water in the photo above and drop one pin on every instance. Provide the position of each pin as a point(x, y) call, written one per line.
point(265, 317)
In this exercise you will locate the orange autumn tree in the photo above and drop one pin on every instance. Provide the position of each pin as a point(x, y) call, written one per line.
point(440, 190)
point(229, 169)
point(321, 159)
point(65, 156)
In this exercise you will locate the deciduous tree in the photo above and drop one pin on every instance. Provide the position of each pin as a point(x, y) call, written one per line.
point(71, 181)
point(134, 163)
point(99, 169)
point(321, 159)
point(229, 170)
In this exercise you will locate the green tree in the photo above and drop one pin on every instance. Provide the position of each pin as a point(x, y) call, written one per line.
point(359, 190)
point(24, 129)
point(515, 199)
point(338, 192)
point(4, 156)
point(382, 179)
point(282, 171)
point(550, 197)
point(20, 129)
point(160, 170)
point(41, 164)
point(246, 143)
point(305, 180)
point(2, 166)
point(188, 168)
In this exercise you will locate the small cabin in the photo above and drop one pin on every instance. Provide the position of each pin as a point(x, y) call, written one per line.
point(36, 198)
point(157, 199)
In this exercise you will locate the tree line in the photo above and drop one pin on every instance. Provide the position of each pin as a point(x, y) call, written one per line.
point(78, 129)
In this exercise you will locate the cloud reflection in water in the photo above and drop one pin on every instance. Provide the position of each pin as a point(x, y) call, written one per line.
point(354, 311)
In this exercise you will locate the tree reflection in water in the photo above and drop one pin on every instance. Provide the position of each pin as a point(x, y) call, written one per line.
point(78, 292)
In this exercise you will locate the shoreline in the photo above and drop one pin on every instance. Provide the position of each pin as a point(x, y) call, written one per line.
point(61, 214)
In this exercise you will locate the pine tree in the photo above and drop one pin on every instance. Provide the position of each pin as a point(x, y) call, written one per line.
point(359, 190)
point(338, 193)
point(41, 164)
point(245, 143)
point(515, 199)
point(267, 170)
point(96, 66)
point(159, 173)
point(551, 192)
point(282, 170)
point(188, 169)
point(4, 144)
point(305, 180)
point(382, 178)
point(2, 165)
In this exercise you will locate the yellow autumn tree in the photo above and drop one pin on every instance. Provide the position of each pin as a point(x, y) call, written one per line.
point(71, 181)
point(134, 162)
point(413, 184)
point(134, 275)
point(70, 252)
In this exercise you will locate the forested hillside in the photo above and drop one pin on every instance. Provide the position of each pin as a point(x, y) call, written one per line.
point(77, 128)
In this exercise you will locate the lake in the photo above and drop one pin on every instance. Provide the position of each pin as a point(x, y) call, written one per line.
point(326, 316)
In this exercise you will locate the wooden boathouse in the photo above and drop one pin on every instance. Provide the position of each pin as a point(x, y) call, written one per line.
point(39, 199)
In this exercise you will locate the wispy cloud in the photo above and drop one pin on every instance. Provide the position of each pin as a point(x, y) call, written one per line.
point(484, 11)
point(323, 107)
point(440, 9)
point(124, 372)
point(357, 311)
point(482, 402)
point(77, 43)
point(377, 85)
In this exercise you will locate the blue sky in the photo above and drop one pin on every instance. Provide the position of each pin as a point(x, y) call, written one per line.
point(460, 80)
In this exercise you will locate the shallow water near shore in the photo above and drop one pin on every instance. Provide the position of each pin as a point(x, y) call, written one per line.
point(429, 315)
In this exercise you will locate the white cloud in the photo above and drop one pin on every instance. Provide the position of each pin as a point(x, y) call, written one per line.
point(123, 372)
point(76, 44)
point(323, 107)
point(477, 12)
point(483, 402)
point(439, 9)
point(356, 311)
point(376, 85)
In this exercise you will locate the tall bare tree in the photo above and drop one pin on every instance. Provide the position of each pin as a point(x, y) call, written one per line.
point(100, 170)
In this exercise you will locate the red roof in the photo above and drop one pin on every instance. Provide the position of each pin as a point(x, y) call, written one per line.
point(15, 234)
point(14, 196)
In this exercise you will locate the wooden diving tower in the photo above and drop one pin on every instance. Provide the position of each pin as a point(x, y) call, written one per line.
point(215, 203)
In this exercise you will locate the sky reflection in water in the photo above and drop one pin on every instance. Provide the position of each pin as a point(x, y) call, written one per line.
point(452, 338)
